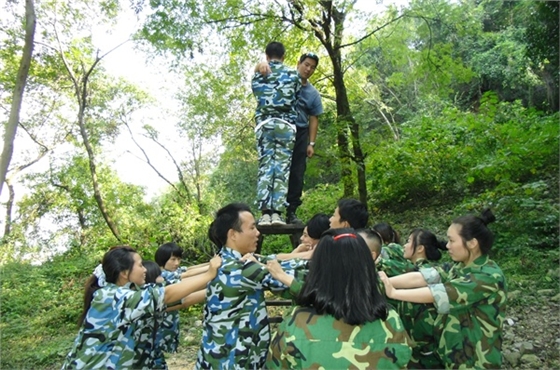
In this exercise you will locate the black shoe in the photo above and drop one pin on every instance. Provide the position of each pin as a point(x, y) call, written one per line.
point(291, 218)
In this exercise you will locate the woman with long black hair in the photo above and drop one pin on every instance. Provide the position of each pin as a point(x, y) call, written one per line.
point(341, 319)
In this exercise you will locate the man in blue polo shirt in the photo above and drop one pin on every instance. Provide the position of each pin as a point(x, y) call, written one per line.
point(309, 107)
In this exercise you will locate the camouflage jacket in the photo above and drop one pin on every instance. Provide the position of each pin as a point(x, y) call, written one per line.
point(118, 329)
point(276, 93)
point(306, 340)
point(418, 320)
point(392, 260)
point(168, 329)
point(471, 305)
point(236, 333)
point(172, 277)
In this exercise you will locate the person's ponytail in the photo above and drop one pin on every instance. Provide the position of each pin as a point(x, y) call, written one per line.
point(487, 216)
point(476, 227)
point(116, 260)
point(91, 287)
point(442, 245)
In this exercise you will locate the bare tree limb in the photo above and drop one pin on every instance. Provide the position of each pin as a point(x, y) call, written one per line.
point(9, 207)
point(177, 167)
point(372, 32)
point(148, 162)
point(394, 131)
point(33, 137)
point(11, 199)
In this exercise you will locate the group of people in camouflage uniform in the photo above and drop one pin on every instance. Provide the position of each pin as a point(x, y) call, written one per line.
point(455, 311)
point(130, 317)
point(119, 324)
point(360, 300)
point(420, 314)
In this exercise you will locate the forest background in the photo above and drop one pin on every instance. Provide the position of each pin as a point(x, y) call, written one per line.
point(432, 110)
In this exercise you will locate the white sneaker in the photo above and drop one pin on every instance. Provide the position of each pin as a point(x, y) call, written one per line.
point(265, 220)
point(276, 219)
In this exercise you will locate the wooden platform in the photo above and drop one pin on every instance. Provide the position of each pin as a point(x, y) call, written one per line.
point(293, 230)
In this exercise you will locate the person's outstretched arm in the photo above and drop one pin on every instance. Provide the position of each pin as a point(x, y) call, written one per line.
point(197, 297)
point(278, 273)
point(176, 292)
point(415, 295)
point(408, 280)
point(195, 270)
point(305, 255)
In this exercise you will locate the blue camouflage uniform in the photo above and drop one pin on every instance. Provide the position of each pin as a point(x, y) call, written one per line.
point(118, 330)
point(167, 338)
point(275, 131)
point(236, 331)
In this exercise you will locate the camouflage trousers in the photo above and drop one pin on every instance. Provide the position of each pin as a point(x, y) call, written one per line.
point(275, 144)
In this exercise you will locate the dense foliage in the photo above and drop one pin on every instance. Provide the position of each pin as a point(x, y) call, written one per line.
point(454, 107)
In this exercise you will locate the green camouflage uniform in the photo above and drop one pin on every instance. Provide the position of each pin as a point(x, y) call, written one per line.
point(392, 260)
point(118, 330)
point(471, 305)
point(306, 340)
point(418, 320)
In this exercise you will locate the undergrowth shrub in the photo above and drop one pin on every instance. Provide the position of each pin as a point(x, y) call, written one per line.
point(464, 153)
point(40, 309)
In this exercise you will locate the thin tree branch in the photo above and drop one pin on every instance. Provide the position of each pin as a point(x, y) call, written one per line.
point(147, 160)
point(179, 172)
point(378, 108)
point(372, 32)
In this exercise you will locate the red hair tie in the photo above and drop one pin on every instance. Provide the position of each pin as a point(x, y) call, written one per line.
point(344, 235)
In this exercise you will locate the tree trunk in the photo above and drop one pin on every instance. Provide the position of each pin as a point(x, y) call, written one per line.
point(347, 122)
point(9, 207)
point(344, 121)
point(551, 85)
point(83, 226)
point(197, 158)
point(82, 99)
point(345, 118)
point(11, 127)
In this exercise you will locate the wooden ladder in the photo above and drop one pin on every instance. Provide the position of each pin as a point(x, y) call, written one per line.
point(294, 231)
